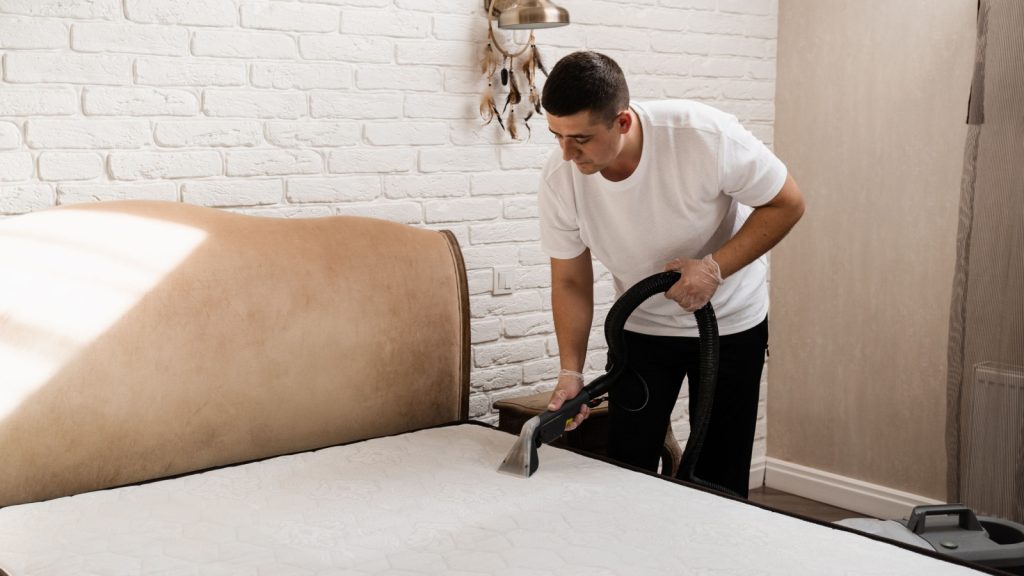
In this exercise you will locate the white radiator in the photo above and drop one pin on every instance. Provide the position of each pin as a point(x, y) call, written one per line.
point(992, 473)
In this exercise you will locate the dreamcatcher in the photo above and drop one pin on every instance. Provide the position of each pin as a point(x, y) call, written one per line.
point(497, 61)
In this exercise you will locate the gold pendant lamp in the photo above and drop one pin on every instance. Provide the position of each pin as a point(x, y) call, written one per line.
point(527, 14)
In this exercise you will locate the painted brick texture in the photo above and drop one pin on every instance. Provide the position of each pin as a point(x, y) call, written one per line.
point(356, 107)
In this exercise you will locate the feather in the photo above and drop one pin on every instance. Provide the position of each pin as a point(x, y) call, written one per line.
point(536, 58)
point(514, 96)
point(489, 61)
point(526, 122)
point(487, 104)
point(528, 67)
point(497, 116)
point(513, 89)
point(512, 130)
point(535, 100)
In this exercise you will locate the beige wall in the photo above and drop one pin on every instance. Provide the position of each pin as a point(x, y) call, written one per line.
point(870, 118)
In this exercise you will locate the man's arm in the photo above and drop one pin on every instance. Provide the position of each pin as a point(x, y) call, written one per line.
point(572, 304)
point(764, 228)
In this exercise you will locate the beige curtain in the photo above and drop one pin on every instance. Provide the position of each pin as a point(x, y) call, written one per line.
point(985, 409)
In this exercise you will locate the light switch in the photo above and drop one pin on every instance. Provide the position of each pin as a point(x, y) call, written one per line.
point(504, 279)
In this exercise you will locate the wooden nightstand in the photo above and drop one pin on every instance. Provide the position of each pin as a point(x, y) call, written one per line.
point(591, 436)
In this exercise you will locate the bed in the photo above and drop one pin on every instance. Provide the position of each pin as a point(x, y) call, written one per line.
point(190, 391)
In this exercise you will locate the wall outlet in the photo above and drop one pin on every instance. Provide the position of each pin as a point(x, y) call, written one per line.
point(504, 279)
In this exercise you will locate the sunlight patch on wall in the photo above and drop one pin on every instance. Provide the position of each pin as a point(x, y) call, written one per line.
point(59, 293)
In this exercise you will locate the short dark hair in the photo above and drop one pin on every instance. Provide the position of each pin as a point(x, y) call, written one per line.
point(586, 81)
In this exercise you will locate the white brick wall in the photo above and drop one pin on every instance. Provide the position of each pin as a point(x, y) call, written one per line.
point(361, 107)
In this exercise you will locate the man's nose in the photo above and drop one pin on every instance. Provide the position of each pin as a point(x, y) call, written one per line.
point(568, 151)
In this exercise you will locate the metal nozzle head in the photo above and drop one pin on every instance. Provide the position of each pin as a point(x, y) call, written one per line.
point(521, 460)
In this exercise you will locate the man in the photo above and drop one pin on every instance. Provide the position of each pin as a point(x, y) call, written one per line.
point(653, 186)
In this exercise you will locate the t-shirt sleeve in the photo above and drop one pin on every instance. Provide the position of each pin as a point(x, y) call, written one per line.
point(559, 227)
point(748, 170)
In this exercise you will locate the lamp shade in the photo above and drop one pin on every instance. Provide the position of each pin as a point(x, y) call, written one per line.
point(526, 14)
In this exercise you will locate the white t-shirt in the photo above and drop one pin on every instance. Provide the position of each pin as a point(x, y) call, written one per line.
point(700, 172)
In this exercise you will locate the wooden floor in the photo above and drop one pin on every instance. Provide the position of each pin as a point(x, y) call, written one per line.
point(797, 505)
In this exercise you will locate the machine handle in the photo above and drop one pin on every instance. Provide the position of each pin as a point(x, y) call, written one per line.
point(968, 521)
point(552, 424)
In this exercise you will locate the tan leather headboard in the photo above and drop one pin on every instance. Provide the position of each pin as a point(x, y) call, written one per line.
point(145, 339)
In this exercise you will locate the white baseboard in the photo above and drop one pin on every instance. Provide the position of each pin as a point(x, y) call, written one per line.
point(757, 470)
point(862, 497)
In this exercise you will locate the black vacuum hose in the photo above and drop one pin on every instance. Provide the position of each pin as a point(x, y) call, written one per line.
point(618, 361)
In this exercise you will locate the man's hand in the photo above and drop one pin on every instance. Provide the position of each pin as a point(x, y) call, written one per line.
point(700, 279)
point(569, 385)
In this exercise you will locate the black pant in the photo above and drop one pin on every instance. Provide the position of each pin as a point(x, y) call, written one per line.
point(638, 415)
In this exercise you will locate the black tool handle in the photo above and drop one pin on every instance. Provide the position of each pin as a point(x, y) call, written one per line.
point(552, 424)
point(965, 516)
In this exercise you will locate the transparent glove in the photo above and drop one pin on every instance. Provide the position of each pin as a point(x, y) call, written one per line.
point(700, 279)
point(569, 385)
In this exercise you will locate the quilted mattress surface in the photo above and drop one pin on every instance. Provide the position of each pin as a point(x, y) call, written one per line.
point(428, 502)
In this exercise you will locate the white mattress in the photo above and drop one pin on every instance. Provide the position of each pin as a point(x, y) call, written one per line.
point(428, 502)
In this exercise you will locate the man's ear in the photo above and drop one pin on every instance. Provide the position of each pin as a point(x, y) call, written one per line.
point(624, 121)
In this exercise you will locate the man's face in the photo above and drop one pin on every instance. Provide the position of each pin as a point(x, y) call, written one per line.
point(587, 142)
